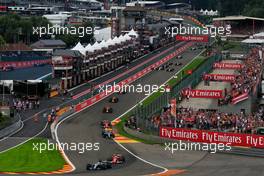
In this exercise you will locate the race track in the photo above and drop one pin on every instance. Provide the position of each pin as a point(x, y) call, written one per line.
point(84, 127)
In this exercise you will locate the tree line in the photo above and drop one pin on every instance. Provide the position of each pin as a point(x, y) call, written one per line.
point(14, 29)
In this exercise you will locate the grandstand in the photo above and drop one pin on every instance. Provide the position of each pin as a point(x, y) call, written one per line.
point(241, 26)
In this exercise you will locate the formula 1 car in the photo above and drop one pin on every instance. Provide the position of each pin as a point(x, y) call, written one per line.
point(170, 70)
point(117, 159)
point(113, 99)
point(100, 165)
point(178, 63)
point(160, 68)
point(122, 91)
point(108, 133)
point(167, 66)
point(179, 57)
point(106, 124)
point(107, 109)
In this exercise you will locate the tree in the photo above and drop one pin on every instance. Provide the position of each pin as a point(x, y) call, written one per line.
point(2, 41)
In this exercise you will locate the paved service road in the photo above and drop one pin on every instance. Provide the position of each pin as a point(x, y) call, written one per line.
point(31, 73)
point(84, 127)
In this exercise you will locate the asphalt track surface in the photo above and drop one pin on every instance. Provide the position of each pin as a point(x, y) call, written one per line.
point(84, 127)
point(31, 73)
point(31, 128)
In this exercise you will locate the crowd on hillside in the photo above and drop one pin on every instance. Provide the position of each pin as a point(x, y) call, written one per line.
point(210, 120)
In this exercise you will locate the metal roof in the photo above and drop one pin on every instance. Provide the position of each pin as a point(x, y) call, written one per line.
point(231, 18)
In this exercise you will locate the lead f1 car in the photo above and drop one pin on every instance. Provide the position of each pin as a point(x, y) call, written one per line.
point(100, 165)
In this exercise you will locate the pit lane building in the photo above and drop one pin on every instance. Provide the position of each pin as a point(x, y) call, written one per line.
point(81, 63)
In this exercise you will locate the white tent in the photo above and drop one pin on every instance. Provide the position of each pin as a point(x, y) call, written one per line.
point(102, 34)
point(116, 40)
point(253, 41)
point(127, 37)
point(104, 44)
point(109, 42)
point(133, 33)
point(78, 47)
point(261, 34)
point(96, 46)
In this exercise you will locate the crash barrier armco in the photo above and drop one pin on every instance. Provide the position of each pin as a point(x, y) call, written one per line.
point(12, 128)
point(131, 79)
point(144, 112)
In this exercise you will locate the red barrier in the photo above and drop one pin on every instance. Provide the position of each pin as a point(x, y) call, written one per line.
point(129, 80)
point(234, 139)
point(220, 77)
point(227, 65)
point(196, 93)
point(196, 38)
point(24, 64)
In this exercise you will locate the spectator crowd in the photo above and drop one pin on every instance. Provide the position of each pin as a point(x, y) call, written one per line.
point(210, 120)
point(23, 105)
point(247, 78)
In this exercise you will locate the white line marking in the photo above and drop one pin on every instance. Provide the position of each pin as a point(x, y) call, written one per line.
point(40, 78)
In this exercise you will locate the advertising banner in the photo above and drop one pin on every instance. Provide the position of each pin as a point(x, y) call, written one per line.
point(220, 77)
point(197, 93)
point(227, 66)
point(203, 136)
point(196, 38)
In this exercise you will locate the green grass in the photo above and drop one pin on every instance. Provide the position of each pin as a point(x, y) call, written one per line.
point(121, 131)
point(24, 159)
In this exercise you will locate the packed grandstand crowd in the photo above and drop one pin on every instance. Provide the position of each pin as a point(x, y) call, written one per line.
point(210, 120)
point(247, 78)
